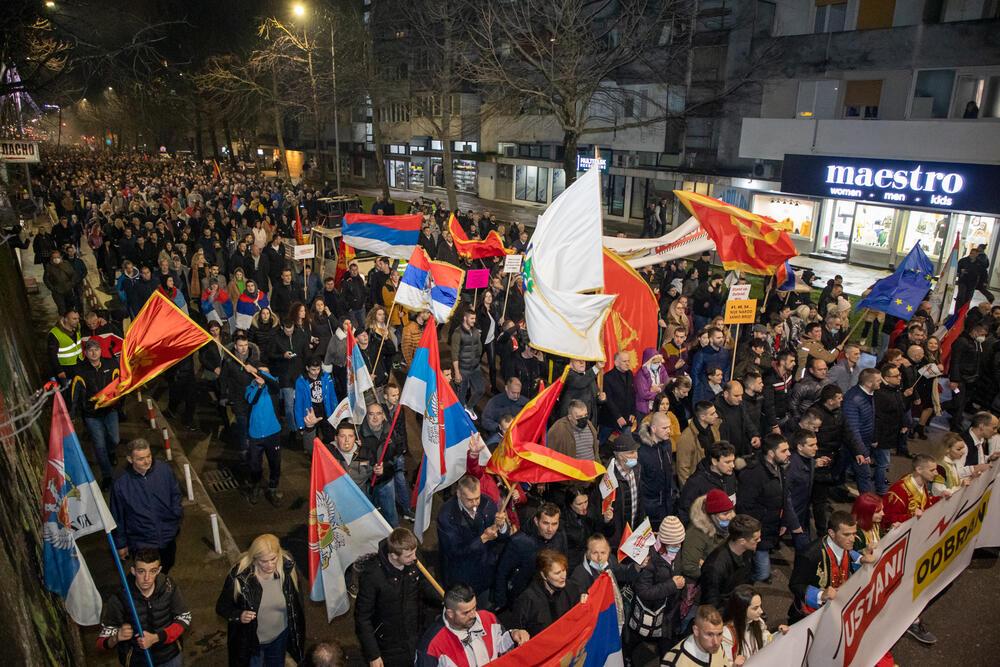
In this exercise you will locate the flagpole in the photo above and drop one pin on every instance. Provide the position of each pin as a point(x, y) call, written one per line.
point(506, 295)
point(388, 319)
point(430, 578)
point(385, 447)
point(128, 596)
point(736, 345)
point(857, 324)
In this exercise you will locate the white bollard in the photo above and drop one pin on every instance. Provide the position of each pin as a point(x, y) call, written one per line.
point(166, 445)
point(187, 479)
point(139, 394)
point(215, 533)
point(150, 413)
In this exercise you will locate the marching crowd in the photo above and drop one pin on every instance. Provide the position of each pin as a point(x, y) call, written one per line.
point(729, 447)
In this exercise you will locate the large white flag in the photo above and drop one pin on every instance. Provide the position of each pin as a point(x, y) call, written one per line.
point(686, 240)
point(564, 260)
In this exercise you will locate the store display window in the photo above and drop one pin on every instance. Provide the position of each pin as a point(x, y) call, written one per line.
point(873, 226)
point(800, 213)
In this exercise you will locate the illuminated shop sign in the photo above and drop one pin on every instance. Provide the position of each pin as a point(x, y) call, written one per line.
point(584, 163)
point(940, 185)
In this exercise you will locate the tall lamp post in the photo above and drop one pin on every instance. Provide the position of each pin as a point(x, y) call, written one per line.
point(299, 10)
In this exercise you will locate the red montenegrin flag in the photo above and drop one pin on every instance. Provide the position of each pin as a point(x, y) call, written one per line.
point(631, 326)
point(300, 238)
point(160, 336)
point(522, 458)
point(745, 241)
point(491, 246)
point(345, 254)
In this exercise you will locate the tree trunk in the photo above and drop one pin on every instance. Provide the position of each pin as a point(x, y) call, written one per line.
point(570, 139)
point(447, 162)
point(380, 180)
point(317, 123)
point(229, 141)
point(279, 132)
point(199, 147)
point(213, 135)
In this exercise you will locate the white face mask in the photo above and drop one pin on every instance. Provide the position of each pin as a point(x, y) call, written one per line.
point(980, 339)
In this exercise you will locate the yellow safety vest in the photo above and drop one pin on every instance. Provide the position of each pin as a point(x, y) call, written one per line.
point(70, 349)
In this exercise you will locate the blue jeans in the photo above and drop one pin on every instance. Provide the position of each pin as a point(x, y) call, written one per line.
point(175, 661)
point(880, 460)
point(384, 498)
point(761, 565)
point(863, 474)
point(288, 405)
point(104, 433)
point(271, 654)
point(402, 488)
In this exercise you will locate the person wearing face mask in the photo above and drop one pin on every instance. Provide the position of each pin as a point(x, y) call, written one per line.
point(580, 385)
point(706, 530)
point(598, 559)
point(618, 410)
point(650, 380)
point(964, 371)
point(657, 593)
point(715, 472)
point(547, 597)
point(624, 465)
point(574, 435)
point(60, 278)
point(657, 489)
point(579, 523)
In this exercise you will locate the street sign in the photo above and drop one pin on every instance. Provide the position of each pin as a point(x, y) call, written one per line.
point(512, 263)
point(19, 151)
point(739, 292)
point(742, 311)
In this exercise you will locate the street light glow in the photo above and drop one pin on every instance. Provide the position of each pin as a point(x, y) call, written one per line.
point(299, 9)
point(50, 4)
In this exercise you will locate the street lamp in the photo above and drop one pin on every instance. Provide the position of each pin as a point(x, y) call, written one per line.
point(50, 4)
point(299, 9)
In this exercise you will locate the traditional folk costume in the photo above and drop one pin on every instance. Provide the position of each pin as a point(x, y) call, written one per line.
point(822, 565)
point(903, 500)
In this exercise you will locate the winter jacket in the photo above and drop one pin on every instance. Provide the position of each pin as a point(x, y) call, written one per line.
point(411, 341)
point(776, 394)
point(87, 381)
point(691, 446)
point(578, 528)
point(702, 536)
point(655, 587)
point(60, 278)
point(859, 415)
point(722, 572)
point(536, 608)
point(842, 376)
point(644, 381)
point(893, 410)
point(355, 293)
point(163, 613)
point(701, 482)
point(764, 496)
point(657, 489)
point(804, 394)
point(966, 359)
point(560, 438)
point(393, 605)
point(241, 638)
point(147, 508)
point(517, 563)
point(303, 397)
point(263, 422)
point(374, 442)
point(706, 358)
point(736, 427)
point(464, 557)
point(581, 387)
point(799, 478)
point(496, 408)
point(619, 387)
point(234, 380)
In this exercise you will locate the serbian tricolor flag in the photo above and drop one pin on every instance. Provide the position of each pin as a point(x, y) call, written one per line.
point(386, 235)
point(586, 635)
point(160, 336)
point(345, 254)
point(631, 327)
point(446, 285)
point(522, 455)
point(343, 527)
point(745, 241)
point(359, 380)
point(447, 428)
point(414, 289)
point(72, 506)
point(955, 325)
point(491, 246)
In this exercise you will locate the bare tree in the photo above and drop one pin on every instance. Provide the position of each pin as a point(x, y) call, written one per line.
point(566, 58)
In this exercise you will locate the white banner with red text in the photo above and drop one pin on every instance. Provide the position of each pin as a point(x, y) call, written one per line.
point(686, 240)
point(916, 561)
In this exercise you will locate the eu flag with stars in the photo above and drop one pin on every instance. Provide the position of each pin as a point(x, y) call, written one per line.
point(900, 294)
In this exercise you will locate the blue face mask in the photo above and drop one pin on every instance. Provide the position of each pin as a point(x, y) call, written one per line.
point(724, 523)
point(597, 566)
point(673, 550)
point(631, 463)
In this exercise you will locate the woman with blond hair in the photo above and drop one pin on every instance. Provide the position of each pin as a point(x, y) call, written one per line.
point(261, 602)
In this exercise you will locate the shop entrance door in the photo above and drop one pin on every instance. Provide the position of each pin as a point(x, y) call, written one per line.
point(836, 225)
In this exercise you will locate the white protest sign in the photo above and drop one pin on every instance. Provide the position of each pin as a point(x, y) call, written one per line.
point(512, 263)
point(636, 545)
point(739, 292)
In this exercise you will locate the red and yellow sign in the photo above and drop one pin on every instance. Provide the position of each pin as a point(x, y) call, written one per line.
point(741, 311)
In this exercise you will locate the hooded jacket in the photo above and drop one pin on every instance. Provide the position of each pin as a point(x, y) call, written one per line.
point(645, 379)
point(691, 447)
point(701, 482)
point(701, 537)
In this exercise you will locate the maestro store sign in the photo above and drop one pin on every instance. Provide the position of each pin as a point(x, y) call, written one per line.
point(942, 185)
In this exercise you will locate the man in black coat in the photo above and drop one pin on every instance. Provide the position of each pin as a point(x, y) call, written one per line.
point(282, 294)
point(394, 602)
point(517, 564)
point(256, 267)
point(764, 496)
point(618, 409)
point(799, 476)
point(657, 488)
point(892, 408)
point(354, 291)
point(736, 426)
point(730, 564)
point(966, 360)
point(715, 471)
point(470, 537)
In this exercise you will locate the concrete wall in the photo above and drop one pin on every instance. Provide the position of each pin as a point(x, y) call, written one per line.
point(943, 140)
point(963, 10)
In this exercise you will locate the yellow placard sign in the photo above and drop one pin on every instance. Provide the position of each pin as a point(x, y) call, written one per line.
point(742, 311)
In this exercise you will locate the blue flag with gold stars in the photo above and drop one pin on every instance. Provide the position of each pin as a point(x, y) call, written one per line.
point(900, 294)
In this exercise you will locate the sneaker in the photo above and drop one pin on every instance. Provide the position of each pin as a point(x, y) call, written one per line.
point(921, 634)
point(472, 414)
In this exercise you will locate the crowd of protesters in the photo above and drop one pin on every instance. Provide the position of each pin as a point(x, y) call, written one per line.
point(729, 447)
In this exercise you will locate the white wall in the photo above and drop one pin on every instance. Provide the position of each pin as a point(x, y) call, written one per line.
point(793, 17)
point(778, 99)
point(942, 140)
point(963, 10)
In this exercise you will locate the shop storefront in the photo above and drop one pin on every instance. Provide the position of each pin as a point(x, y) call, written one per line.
point(872, 212)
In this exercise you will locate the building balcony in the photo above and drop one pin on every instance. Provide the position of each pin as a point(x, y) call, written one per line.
point(975, 141)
